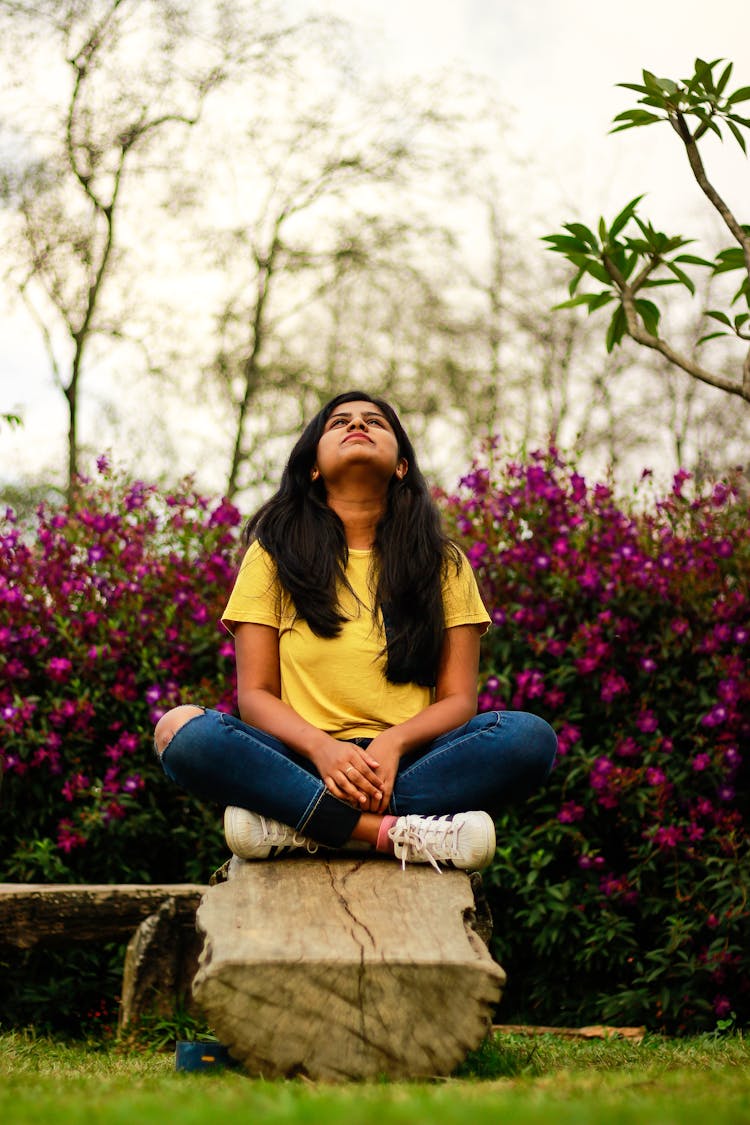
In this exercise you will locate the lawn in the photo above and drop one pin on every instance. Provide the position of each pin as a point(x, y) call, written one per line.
point(514, 1080)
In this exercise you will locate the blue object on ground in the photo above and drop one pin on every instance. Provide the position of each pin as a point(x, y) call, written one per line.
point(192, 1055)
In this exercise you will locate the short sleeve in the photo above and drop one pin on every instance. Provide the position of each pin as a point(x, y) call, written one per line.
point(256, 596)
point(462, 602)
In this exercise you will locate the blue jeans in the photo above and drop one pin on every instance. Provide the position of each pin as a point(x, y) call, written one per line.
point(495, 759)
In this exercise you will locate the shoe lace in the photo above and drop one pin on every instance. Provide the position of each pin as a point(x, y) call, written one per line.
point(277, 835)
point(425, 837)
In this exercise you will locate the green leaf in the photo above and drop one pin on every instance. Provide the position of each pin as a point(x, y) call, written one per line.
point(650, 316)
point(743, 291)
point(591, 265)
point(599, 300)
point(717, 314)
point(682, 277)
point(565, 243)
point(740, 319)
point(581, 299)
point(693, 260)
point(617, 328)
point(730, 259)
point(635, 117)
point(575, 281)
point(632, 86)
point(624, 216)
point(721, 84)
point(741, 95)
point(651, 82)
point(583, 232)
point(737, 135)
point(710, 336)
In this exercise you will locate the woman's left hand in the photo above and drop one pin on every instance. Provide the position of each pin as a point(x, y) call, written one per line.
point(385, 748)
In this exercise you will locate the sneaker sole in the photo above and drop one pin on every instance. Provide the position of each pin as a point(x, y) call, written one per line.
point(235, 834)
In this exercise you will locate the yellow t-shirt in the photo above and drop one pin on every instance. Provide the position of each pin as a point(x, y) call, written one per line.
point(338, 684)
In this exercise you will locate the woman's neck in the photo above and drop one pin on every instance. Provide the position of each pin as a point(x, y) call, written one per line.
point(360, 515)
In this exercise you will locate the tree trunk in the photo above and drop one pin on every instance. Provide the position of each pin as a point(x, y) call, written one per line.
point(344, 968)
point(48, 914)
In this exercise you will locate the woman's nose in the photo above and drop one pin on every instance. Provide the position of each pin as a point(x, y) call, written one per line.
point(358, 423)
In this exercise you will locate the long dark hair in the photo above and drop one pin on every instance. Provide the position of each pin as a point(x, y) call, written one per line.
point(306, 540)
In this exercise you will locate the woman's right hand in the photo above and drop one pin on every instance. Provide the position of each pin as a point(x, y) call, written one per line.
point(348, 772)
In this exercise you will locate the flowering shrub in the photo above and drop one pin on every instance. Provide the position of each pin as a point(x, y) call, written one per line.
point(108, 617)
point(620, 891)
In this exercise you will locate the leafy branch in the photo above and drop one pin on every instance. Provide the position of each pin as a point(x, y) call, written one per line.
point(630, 256)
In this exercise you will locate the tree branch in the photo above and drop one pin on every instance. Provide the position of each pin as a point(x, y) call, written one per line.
point(699, 172)
point(641, 336)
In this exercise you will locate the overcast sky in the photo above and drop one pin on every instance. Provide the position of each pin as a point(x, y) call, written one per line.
point(555, 64)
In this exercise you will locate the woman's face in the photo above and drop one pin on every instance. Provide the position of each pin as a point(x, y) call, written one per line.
point(357, 436)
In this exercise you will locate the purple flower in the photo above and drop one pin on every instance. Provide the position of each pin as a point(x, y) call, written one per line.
point(59, 668)
point(646, 721)
point(667, 837)
point(732, 757)
point(715, 717)
point(655, 776)
point(701, 762)
point(627, 748)
point(647, 664)
point(613, 684)
point(570, 812)
point(678, 481)
point(728, 690)
point(725, 793)
point(722, 1006)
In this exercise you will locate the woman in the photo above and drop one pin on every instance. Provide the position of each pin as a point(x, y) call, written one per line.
point(356, 625)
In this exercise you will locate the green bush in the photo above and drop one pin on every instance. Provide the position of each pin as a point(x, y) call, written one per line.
point(109, 616)
point(620, 891)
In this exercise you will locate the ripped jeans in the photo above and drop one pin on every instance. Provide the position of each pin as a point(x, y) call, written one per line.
point(497, 758)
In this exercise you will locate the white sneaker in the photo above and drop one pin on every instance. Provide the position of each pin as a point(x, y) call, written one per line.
point(252, 836)
point(465, 840)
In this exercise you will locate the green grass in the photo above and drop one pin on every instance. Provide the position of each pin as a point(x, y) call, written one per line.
point(511, 1081)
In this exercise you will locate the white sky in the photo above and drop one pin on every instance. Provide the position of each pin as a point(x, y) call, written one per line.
point(555, 63)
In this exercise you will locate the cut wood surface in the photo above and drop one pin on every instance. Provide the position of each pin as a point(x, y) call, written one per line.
point(344, 968)
point(44, 913)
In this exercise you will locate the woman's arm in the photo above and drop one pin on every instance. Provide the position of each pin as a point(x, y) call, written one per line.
point(261, 706)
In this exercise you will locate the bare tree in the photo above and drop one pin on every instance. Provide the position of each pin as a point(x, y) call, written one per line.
point(325, 243)
point(129, 76)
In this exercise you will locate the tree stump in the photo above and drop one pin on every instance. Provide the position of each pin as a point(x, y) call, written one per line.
point(160, 962)
point(344, 968)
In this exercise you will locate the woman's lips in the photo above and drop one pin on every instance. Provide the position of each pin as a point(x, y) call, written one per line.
point(357, 437)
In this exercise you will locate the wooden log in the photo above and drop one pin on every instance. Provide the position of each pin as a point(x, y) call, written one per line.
point(160, 962)
point(344, 968)
point(36, 913)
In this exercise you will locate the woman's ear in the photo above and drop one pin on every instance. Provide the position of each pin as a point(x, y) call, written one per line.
point(314, 473)
point(402, 468)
